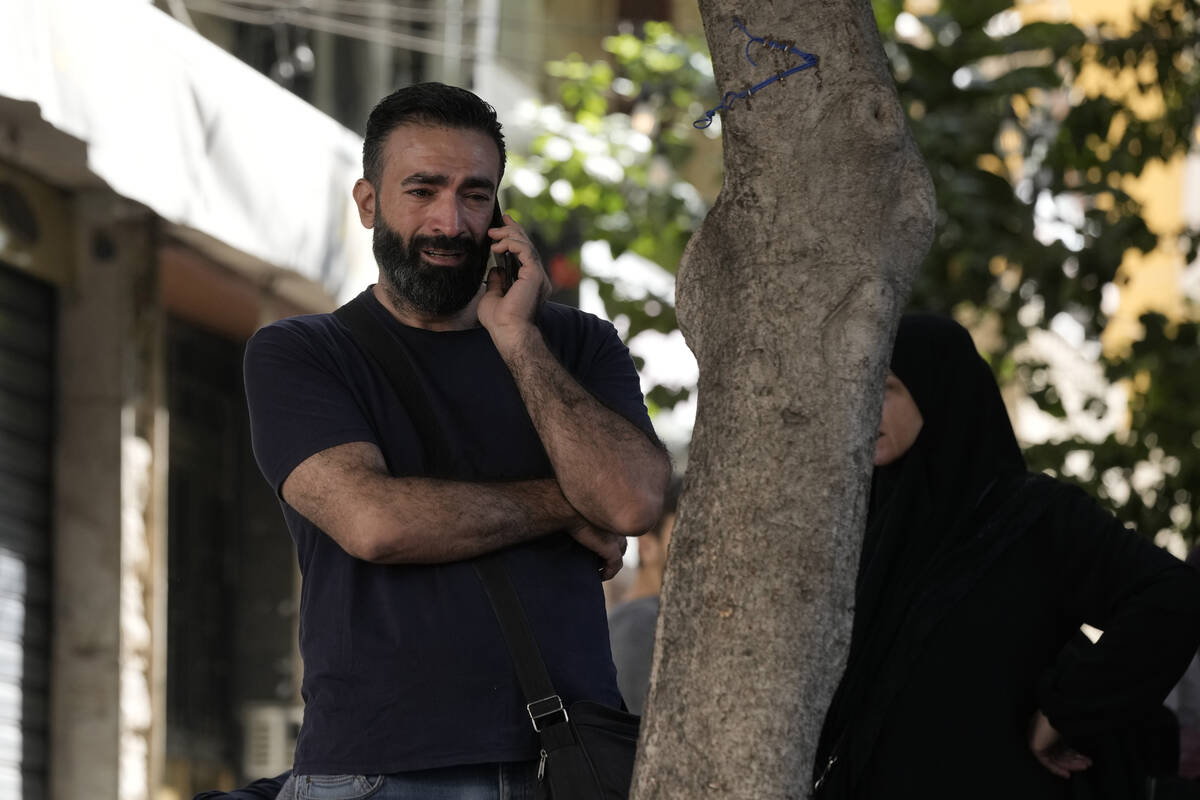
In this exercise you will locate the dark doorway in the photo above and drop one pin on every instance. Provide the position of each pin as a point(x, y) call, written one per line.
point(230, 612)
point(27, 322)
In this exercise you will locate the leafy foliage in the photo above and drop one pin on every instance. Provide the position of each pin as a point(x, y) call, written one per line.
point(1030, 160)
point(608, 166)
point(1030, 147)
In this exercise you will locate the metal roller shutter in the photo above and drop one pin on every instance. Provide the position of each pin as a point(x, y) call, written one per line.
point(26, 414)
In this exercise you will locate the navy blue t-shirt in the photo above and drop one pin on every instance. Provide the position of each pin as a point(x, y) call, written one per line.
point(404, 665)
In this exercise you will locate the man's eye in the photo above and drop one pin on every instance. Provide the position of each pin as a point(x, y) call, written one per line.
point(420, 192)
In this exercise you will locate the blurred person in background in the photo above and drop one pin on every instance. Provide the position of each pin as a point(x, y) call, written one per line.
point(632, 623)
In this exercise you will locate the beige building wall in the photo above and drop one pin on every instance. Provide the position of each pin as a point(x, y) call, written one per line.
point(118, 272)
point(563, 27)
point(577, 26)
point(685, 14)
point(105, 724)
point(105, 731)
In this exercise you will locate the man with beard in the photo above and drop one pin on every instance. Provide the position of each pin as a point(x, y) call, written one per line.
point(408, 686)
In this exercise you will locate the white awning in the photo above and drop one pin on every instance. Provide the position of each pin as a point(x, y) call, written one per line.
point(173, 122)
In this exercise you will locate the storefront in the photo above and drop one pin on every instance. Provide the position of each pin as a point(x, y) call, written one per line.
point(159, 200)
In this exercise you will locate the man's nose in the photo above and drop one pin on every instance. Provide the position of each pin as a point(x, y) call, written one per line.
point(448, 217)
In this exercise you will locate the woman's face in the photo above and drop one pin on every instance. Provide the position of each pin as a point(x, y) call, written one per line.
point(900, 424)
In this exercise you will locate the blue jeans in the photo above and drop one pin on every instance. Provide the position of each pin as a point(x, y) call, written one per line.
point(514, 781)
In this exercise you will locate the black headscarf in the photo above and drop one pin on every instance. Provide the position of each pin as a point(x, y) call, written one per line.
point(924, 523)
point(923, 501)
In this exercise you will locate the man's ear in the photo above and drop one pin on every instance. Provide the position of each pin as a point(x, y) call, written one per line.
point(364, 198)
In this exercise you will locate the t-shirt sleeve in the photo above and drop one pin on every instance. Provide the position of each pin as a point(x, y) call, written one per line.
point(1146, 602)
point(299, 399)
point(608, 372)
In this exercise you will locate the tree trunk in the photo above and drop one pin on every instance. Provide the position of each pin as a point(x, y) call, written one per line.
point(788, 294)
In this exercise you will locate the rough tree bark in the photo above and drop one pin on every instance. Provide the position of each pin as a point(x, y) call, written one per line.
point(788, 295)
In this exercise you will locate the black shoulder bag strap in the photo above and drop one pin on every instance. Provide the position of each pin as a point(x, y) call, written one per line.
point(542, 702)
point(391, 355)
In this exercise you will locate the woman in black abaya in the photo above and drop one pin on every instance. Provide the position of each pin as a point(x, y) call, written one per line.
point(967, 675)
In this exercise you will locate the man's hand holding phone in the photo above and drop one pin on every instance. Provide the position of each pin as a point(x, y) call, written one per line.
point(508, 264)
point(508, 304)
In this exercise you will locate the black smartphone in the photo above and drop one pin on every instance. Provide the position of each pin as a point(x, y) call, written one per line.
point(508, 263)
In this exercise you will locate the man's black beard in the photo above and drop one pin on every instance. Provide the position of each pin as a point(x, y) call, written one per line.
point(427, 288)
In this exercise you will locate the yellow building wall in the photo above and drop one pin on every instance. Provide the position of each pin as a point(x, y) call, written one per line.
point(1147, 281)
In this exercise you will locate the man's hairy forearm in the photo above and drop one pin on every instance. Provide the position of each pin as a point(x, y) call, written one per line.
point(347, 492)
point(431, 521)
point(607, 468)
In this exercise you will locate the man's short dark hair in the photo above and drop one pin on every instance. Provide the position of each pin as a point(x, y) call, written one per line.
point(433, 104)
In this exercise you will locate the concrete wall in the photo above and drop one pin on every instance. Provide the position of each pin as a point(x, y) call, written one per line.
point(103, 656)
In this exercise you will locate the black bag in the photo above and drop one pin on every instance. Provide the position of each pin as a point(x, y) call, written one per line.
point(587, 750)
point(594, 759)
